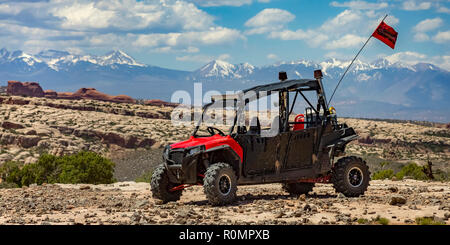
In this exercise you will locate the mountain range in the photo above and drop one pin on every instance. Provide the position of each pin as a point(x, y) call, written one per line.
point(378, 89)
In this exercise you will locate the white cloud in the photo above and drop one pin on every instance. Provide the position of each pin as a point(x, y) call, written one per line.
point(406, 57)
point(347, 41)
point(346, 29)
point(201, 58)
point(342, 21)
point(217, 3)
point(292, 35)
point(421, 37)
point(442, 37)
point(130, 15)
point(268, 20)
point(412, 58)
point(272, 57)
point(337, 55)
point(413, 5)
point(428, 25)
point(213, 36)
point(442, 9)
point(163, 26)
point(360, 5)
point(312, 37)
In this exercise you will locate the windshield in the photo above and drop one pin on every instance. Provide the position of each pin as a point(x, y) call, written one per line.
point(219, 114)
point(230, 115)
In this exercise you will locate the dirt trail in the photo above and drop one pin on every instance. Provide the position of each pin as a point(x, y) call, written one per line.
point(131, 203)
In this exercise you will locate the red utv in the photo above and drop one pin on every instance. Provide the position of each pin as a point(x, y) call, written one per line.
point(297, 153)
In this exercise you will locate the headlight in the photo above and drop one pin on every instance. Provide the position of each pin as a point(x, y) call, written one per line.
point(195, 150)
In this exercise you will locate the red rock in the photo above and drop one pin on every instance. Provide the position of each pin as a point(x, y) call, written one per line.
point(93, 94)
point(160, 103)
point(67, 95)
point(50, 94)
point(31, 89)
point(124, 99)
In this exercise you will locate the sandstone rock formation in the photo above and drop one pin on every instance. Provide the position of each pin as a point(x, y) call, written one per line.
point(93, 94)
point(31, 89)
point(160, 103)
point(50, 94)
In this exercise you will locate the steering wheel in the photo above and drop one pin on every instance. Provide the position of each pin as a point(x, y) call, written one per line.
point(212, 129)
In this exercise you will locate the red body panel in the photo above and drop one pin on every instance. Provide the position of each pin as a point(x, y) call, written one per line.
point(210, 142)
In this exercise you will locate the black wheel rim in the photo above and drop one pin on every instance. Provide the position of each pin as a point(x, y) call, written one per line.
point(355, 177)
point(225, 185)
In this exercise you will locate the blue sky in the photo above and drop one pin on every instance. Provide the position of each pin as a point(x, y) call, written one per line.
point(186, 34)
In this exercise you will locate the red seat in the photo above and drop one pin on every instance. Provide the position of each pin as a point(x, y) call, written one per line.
point(299, 118)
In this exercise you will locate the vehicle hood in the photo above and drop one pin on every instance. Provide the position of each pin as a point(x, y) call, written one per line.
point(209, 142)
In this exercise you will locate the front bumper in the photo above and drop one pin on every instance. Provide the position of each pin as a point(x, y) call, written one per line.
point(182, 165)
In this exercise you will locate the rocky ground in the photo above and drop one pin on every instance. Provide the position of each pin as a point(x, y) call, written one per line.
point(401, 202)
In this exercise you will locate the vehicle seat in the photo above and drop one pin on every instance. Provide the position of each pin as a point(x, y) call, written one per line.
point(299, 118)
point(255, 126)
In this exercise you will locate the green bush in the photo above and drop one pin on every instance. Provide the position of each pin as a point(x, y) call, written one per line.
point(381, 220)
point(362, 221)
point(412, 170)
point(83, 167)
point(383, 174)
point(10, 172)
point(428, 221)
point(7, 185)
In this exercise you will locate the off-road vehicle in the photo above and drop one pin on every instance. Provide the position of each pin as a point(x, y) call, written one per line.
point(295, 152)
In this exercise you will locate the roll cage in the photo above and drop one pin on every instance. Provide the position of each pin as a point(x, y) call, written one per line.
point(241, 99)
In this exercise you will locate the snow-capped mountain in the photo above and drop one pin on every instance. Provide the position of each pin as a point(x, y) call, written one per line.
point(57, 60)
point(382, 88)
point(219, 69)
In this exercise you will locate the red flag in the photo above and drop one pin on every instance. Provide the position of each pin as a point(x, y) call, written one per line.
point(386, 34)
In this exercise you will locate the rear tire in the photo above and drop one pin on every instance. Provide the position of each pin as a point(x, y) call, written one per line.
point(350, 176)
point(298, 188)
point(220, 184)
point(160, 186)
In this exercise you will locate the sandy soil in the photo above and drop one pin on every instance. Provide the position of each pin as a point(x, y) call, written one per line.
point(131, 203)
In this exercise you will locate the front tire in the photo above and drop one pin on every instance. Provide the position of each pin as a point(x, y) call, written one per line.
point(161, 185)
point(220, 184)
point(351, 176)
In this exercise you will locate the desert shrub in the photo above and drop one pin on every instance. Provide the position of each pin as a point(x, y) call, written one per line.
point(412, 169)
point(9, 172)
point(145, 177)
point(381, 220)
point(383, 174)
point(86, 167)
point(7, 185)
point(384, 163)
point(83, 167)
point(428, 221)
point(362, 221)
